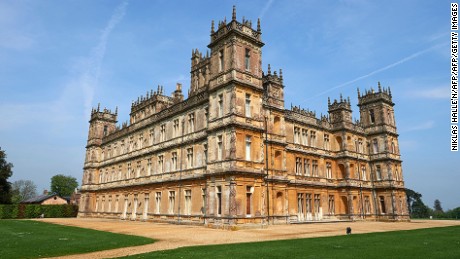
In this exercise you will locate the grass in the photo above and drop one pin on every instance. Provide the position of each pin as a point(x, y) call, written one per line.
point(33, 239)
point(422, 243)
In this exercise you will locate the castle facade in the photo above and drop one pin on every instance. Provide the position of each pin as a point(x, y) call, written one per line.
point(231, 153)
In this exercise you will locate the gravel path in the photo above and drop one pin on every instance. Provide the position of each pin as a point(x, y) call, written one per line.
point(174, 236)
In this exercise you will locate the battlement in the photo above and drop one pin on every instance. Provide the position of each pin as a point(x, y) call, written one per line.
point(104, 115)
point(275, 78)
point(341, 104)
point(151, 97)
point(370, 96)
point(243, 28)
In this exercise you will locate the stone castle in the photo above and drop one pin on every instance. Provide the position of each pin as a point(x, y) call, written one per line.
point(231, 153)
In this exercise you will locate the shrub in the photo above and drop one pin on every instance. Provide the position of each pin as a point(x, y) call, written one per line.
point(16, 211)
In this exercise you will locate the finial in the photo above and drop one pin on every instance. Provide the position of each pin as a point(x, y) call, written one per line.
point(328, 101)
point(98, 107)
point(116, 110)
point(380, 87)
point(389, 91)
point(212, 26)
point(269, 70)
point(258, 24)
point(281, 74)
point(359, 94)
point(234, 13)
point(341, 99)
point(348, 99)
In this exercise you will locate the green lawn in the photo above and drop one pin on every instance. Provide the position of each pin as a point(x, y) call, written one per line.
point(33, 239)
point(422, 243)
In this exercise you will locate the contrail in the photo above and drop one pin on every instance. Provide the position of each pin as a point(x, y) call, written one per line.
point(90, 78)
point(265, 9)
point(417, 54)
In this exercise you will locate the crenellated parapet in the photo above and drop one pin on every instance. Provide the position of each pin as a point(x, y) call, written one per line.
point(372, 96)
point(104, 115)
point(200, 72)
point(243, 28)
point(152, 102)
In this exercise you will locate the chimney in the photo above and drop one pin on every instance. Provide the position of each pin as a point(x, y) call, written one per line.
point(45, 192)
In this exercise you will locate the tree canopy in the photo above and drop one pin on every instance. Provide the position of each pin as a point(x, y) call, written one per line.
point(5, 173)
point(23, 190)
point(417, 208)
point(63, 185)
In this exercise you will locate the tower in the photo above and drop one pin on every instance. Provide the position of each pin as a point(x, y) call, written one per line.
point(377, 117)
point(101, 124)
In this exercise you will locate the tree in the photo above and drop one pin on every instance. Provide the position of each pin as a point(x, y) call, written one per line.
point(417, 208)
point(23, 190)
point(63, 185)
point(437, 206)
point(5, 173)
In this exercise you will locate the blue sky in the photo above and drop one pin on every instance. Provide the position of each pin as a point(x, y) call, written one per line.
point(60, 58)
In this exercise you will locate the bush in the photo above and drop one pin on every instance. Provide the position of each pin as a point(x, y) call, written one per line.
point(28, 211)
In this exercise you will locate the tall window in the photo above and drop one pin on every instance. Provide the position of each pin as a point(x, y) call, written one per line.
point(331, 205)
point(378, 172)
point(328, 170)
point(383, 209)
point(248, 148)
point(312, 138)
point(146, 207)
point(176, 128)
point(360, 145)
point(247, 59)
point(219, 147)
point(300, 210)
point(160, 164)
point(162, 132)
point(191, 122)
point(189, 157)
point(375, 145)
point(247, 107)
point(158, 202)
point(308, 202)
point(304, 139)
point(327, 144)
point(296, 135)
point(363, 173)
point(306, 167)
point(141, 140)
point(317, 203)
point(249, 190)
point(221, 60)
point(220, 105)
point(105, 130)
point(138, 169)
point(371, 116)
point(119, 173)
point(151, 136)
point(203, 200)
point(298, 166)
point(188, 202)
point(314, 168)
point(174, 161)
point(172, 201)
point(128, 173)
point(367, 205)
point(219, 199)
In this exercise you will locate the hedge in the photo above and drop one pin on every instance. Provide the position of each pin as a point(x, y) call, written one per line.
point(27, 211)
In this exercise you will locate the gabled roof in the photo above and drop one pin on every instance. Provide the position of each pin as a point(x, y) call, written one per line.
point(40, 198)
